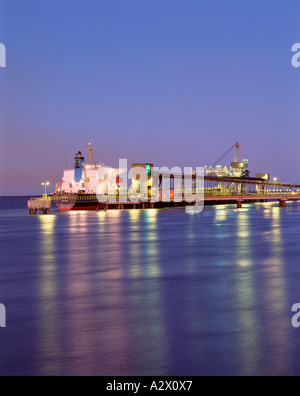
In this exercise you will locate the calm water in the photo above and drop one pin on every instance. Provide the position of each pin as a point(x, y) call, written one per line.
point(150, 292)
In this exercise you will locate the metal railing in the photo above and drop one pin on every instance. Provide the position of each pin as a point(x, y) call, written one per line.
point(162, 195)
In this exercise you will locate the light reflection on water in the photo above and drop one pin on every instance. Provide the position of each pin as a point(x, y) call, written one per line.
point(79, 285)
point(276, 299)
point(151, 292)
point(49, 313)
point(134, 245)
point(152, 248)
point(247, 320)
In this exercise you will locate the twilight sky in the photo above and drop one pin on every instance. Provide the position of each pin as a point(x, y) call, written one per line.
point(172, 82)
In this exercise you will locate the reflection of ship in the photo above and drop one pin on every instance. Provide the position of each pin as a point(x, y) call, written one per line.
point(194, 209)
point(79, 186)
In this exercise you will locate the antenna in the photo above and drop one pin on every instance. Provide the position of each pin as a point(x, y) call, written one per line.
point(90, 149)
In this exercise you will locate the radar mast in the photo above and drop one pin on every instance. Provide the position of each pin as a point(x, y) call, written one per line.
point(90, 149)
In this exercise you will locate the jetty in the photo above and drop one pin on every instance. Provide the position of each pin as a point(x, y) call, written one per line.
point(39, 206)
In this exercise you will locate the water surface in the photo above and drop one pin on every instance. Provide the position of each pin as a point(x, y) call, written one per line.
point(155, 292)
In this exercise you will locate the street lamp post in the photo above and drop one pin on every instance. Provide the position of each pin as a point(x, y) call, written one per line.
point(45, 184)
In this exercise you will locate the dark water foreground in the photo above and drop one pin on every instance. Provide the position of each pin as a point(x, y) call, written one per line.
point(150, 292)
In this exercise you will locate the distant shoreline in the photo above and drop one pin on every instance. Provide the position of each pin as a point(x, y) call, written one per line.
point(20, 196)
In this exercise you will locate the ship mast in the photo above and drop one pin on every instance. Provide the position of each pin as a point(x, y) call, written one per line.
point(90, 149)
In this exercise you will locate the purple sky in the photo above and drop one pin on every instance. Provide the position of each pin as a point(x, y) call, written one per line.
point(172, 82)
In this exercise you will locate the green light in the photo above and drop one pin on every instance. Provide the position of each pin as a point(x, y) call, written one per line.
point(148, 169)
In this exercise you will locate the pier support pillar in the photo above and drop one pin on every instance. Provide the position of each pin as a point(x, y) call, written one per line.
point(282, 203)
point(239, 204)
point(40, 206)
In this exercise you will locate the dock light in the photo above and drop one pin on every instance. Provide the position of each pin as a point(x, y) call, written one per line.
point(275, 180)
point(148, 169)
point(45, 184)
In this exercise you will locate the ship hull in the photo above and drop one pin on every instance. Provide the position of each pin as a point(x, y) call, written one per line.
point(78, 202)
point(65, 206)
point(87, 202)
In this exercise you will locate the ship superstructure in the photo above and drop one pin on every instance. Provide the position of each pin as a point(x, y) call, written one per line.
point(84, 177)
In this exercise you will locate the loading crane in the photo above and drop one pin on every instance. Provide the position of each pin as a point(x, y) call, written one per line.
point(239, 166)
point(239, 161)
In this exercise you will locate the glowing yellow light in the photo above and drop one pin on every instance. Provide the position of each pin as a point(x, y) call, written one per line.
point(45, 184)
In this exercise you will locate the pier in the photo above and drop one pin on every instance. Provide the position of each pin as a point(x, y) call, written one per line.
point(39, 206)
point(91, 186)
point(216, 190)
point(239, 200)
point(92, 203)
